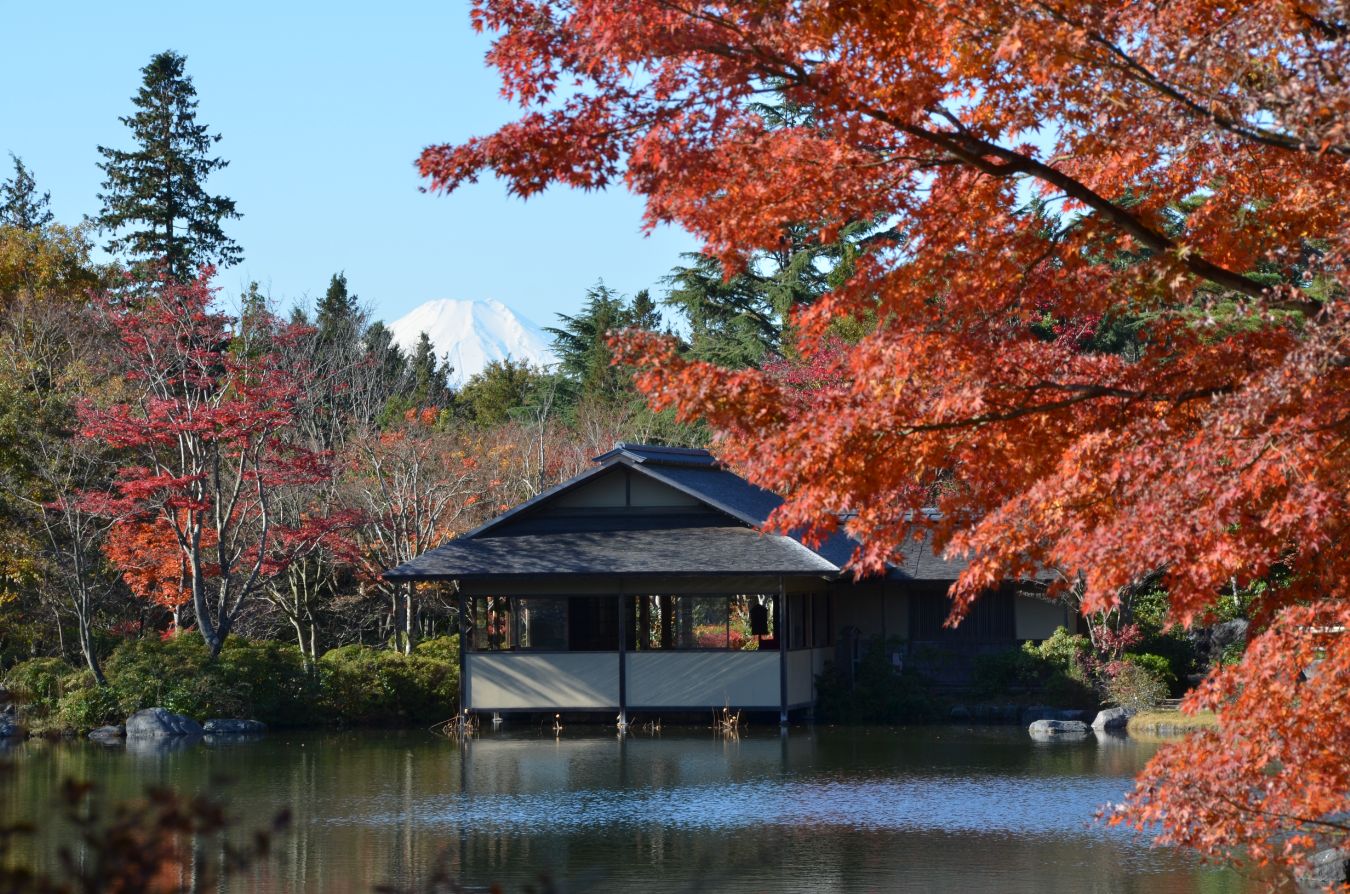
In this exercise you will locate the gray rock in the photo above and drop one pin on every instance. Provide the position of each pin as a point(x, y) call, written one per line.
point(10, 729)
point(1058, 729)
point(219, 726)
point(1223, 635)
point(1032, 713)
point(159, 723)
point(1323, 870)
point(1112, 719)
point(108, 733)
point(960, 713)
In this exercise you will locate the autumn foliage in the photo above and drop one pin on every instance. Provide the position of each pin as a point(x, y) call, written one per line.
point(1046, 170)
point(202, 434)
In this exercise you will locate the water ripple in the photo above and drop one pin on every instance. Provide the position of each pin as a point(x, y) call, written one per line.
point(983, 804)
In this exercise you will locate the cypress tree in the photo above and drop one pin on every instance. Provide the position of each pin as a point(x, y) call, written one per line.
point(154, 202)
point(21, 205)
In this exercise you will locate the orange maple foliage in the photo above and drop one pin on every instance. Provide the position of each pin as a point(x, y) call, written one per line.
point(1188, 162)
point(146, 552)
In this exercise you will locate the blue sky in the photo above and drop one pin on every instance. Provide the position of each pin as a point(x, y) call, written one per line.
point(323, 109)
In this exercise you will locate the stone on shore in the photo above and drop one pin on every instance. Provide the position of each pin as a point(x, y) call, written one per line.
point(1058, 729)
point(108, 733)
point(1112, 719)
point(1032, 713)
point(10, 729)
point(160, 723)
point(231, 727)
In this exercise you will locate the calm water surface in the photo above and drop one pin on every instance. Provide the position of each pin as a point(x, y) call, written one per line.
point(911, 809)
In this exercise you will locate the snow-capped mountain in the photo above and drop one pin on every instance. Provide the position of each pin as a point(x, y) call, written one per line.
point(473, 334)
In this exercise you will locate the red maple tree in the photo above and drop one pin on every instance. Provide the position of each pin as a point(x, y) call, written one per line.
point(203, 432)
point(1181, 165)
point(147, 556)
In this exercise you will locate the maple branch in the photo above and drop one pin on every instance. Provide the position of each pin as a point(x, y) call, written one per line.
point(1245, 808)
point(1139, 72)
point(977, 152)
point(1080, 394)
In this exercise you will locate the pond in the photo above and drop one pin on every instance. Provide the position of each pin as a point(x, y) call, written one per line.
point(822, 809)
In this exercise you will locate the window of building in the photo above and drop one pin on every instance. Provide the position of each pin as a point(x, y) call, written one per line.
point(739, 622)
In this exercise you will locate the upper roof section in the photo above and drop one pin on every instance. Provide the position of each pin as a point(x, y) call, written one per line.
point(672, 492)
point(658, 455)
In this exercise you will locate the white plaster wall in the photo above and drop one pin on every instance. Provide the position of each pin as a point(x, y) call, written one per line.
point(1036, 618)
point(702, 679)
point(801, 686)
point(520, 680)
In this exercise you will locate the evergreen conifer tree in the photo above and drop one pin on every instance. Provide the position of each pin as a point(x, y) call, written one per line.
point(21, 205)
point(155, 204)
point(337, 316)
point(430, 377)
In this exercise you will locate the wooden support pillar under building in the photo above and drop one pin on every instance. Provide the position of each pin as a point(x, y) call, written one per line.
point(623, 662)
point(465, 640)
point(781, 635)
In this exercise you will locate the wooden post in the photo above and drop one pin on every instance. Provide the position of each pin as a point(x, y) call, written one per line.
point(782, 634)
point(465, 638)
point(623, 661)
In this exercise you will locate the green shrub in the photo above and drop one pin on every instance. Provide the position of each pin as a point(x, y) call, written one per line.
point(878, 693)
point(37, 684)
point(1178, 649)
point(149, 672)
point(271, 678)
point(1069, 690)
point(1157, 665)
point(1232, 653)
point(1063, 650)
point(1000, 673)
point(441, 648)
point(88, 705)
point(366, 686)
point(1135, 686)
point(260, 680)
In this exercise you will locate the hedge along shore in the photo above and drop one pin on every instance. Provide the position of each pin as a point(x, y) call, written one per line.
point(262, 680)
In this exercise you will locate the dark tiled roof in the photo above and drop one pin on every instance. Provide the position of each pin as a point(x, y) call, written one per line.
point(657, 455)
point(720, 489)
point(718, 550)
point(647, 548)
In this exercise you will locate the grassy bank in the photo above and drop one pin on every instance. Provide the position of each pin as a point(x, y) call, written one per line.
point(1169, 724)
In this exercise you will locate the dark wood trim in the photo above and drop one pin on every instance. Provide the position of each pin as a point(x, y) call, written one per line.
point(623, 658)
point(780, 632)
point(465, 641)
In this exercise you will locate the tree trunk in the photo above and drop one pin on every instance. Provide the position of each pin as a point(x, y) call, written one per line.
point(87, 647)
point(409, 616)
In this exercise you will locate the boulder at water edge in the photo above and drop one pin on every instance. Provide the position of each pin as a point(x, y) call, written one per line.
point(10, 729)
point(1032, 713)
point(1058, 729)
point(1112, 719)
point(1323, 870)
point(159, 723)
point(228, 727)
point(108, 733)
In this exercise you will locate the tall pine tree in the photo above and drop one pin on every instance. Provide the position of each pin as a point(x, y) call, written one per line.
point(21, 205)
point(154, 202)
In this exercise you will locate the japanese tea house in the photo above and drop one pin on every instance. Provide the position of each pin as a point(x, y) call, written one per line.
point(644, 585)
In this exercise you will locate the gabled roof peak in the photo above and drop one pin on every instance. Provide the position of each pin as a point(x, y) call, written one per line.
point(658, 454)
